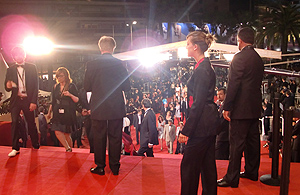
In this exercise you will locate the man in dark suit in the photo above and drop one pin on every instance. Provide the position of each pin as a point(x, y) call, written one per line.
point(242, 107)
point(43, 126)
point(149, 136)
point(137, 123)
point(107, 79)
point(22, 80)
point(222, 139)
point(164, 110)
point(183, 108)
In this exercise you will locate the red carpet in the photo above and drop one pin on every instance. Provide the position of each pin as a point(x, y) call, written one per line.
point(51, 170)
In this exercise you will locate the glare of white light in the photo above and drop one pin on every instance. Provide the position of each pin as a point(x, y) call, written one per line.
point(182, 52)
point(38, 45)
point(228, 57)
point(149, 58)
point(134, 22)
point(127, 24)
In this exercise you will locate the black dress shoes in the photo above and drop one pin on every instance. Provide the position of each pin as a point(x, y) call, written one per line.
point(36, 146)
point(115, 172)
point(244, 175)
point(224, 183)
point(98, 170)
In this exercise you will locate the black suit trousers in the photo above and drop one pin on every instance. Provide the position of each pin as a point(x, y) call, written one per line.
point(111, 129)
point(87, 123)
point(147, 150)
point(243, 136)
point(29, 117)
point(199, 158)
point(137, 130)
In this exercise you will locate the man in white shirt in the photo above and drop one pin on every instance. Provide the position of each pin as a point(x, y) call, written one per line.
point(22, 80)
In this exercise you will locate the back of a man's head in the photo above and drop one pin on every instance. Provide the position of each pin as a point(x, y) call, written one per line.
point(247, 35)
point(107, 44)
point(146, 102)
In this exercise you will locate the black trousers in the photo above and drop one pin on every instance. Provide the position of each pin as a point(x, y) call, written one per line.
point(147, 150)
point(87, 123)
point(29, 117)
point(243, 136)
point(111, 129)
point(183, 115)
point(222, 150)
point(199, 158)
point(137, 130)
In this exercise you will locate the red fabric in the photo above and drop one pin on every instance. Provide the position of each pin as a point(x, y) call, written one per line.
point(128, 145)
point(196, 66)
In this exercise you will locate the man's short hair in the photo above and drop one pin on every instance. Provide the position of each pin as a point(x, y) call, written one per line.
point(18, 51)
point(107, 43)
point(146, 102)
point(170, 120)
point(222, 89)
point(246, 34)
point(41, 109)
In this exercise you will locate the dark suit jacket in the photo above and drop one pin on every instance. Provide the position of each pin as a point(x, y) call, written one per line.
point(223, 128)
point(296, 142)
point(84, 104)
point(243, 96)
point(203, 114)
point(136, 120)
point(43, 125)
point(164, 111)
point(31, 83)
point(183, 106)
point(106, 78)
point(148, 129)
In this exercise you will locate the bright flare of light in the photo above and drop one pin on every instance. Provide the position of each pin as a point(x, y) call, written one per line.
point(228, 56)
point(182, 52)
point(134, 22)
point(149, 58)
point(38, 45)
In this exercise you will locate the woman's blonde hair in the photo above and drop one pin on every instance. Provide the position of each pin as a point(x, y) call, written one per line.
point(66, 73)
point(202, 39)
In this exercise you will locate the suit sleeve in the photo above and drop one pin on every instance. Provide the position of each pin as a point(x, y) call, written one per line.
point(7, 78)
point(152, 129)
point(126, 83)
point(296, 130)
point(35, 86)
point(201, 79)
point(88, 78)
point(235, 77)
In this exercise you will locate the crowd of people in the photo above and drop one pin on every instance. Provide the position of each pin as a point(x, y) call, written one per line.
point(208, 116)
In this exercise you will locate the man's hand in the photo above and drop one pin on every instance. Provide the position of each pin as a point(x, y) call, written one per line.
point(10, 84)
point(182, 138)
point(84, 112)
point(226, 115)
point(32, 107)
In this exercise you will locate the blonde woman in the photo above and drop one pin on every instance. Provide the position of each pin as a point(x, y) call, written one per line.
point(64, 99)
